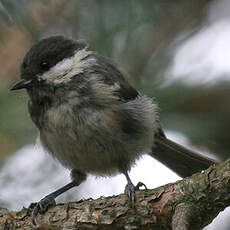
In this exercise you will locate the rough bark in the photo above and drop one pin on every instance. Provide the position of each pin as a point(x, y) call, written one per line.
point(191, 203)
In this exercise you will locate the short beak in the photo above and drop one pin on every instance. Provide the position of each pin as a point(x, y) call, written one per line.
point(21, 84)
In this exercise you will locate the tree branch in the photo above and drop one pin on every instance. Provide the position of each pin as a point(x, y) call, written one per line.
point(191, 203)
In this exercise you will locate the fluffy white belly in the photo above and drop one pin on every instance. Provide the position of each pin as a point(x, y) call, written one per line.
point(97, 141)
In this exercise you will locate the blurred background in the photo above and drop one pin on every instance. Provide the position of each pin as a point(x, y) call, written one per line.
point(177, 52)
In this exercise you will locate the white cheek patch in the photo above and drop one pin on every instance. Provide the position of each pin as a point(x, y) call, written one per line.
point(62, 67)
point(64, 70)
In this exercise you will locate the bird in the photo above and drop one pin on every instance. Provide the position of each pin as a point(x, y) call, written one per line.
point(91, 119)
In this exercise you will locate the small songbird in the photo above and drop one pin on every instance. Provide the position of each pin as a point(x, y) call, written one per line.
point(91, 119)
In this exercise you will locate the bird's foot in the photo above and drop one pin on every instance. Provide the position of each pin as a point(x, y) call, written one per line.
point(41, 207)
point(130, 190)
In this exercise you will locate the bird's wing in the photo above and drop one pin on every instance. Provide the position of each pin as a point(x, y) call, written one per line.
point(113, 76)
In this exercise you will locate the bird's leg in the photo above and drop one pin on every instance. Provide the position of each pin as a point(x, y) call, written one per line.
point(130, 188)
point(49, 200)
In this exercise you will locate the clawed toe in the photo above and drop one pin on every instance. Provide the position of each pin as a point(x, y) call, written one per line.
point(130, 190)
point(140, 184)
point(41, 207)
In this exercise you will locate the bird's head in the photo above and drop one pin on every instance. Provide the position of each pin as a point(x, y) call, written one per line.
point(53, 62)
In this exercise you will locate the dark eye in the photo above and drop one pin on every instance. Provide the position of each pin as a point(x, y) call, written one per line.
point(44, 65)
point(24, 65)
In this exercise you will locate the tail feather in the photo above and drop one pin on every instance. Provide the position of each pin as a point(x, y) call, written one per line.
point(181, 160)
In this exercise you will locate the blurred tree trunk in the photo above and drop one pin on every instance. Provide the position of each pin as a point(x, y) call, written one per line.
point(191, 203)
